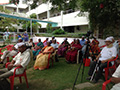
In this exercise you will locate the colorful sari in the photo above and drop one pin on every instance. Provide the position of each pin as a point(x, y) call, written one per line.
point(94, 49)
point(42, 59)
point(95, 42)
point(38, 48)
point(62, 48)
point(71, 55)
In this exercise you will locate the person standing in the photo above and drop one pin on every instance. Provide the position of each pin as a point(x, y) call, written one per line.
point(25, 36)
point(6, 35)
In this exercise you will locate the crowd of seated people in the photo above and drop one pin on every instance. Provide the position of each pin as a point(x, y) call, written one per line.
point(65, 49)
point(41, 51)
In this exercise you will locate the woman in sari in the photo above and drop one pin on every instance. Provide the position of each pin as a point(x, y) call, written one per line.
point(38, 48)
point(63, 47)
point(94, 48)
point(42, 59)
point(71, 55)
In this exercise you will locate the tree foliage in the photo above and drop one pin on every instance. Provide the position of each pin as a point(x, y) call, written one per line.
point(49, 28)
point(35, 25)
point(14, 1)
point(7, 22)
point(103, 14)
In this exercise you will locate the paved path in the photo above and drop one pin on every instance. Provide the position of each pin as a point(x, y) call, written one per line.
point(86, 85)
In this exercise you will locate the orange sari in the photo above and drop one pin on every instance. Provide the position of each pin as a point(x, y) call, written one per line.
point(42, 59)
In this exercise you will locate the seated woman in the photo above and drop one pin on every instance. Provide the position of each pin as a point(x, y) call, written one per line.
point(94, 49)
point(73, 42)
point(45, 41)
point(42, 59)
point(63, 47)
point(38, 48)
point(71, 55)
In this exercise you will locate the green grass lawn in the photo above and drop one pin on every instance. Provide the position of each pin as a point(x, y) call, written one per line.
point(58, 77)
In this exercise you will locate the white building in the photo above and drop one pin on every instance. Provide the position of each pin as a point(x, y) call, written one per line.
point(69, 20)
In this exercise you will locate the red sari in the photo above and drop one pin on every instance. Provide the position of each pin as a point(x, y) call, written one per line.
point(71, 55)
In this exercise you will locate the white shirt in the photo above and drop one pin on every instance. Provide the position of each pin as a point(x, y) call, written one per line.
point(23, 59)
point(16, 46)
point(116, 75)
point(54, 45)
point(6, 33)
point(117, 72)
point(107, 53)
point(116, 44)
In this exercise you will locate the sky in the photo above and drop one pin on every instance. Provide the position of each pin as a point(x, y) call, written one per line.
point(4, 1)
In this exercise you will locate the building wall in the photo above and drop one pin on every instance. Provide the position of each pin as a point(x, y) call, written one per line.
point(81, 29)
point(20, 10)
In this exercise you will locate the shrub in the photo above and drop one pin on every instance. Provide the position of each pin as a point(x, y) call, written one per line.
point(59, 31)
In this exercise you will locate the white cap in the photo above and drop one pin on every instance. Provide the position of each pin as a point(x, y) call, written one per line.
point(108, 39)
point(111, 37)
point(83, 36)
point(20, 44)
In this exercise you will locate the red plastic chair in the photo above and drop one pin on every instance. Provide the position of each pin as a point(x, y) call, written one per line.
point(105, 83)
point(8, 47)
point(110, 67)
point(49, 58)
point(14, 75)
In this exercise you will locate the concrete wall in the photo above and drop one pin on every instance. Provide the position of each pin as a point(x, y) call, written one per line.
point(82, 28)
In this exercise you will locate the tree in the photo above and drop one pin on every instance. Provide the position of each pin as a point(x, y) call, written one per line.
point(35, 25)
point(7, 22)
point(104, 15)
point(49, 28)
point(14, 2)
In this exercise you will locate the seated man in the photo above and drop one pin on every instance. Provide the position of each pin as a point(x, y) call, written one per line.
point(108, 53)
point(8, 53)
point(55, 45)
point(116, 79)
point(21, 60)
